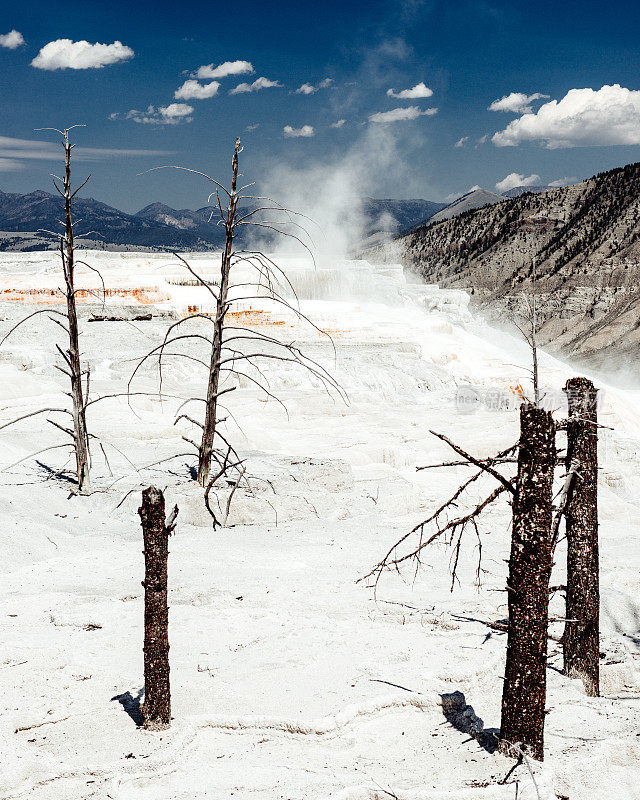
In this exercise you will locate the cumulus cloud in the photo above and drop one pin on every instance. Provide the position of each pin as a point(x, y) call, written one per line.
point(416, 93)
point(517, 102)
point(173, 114)
point(176, 110)
point(514, 179)
point(192, 90)
point(582, 118)
point(297, 133)
point(259, 83)
point(399, 114)
point(310, 88)
point(67, 54)
point(209, 72)
point(461, 142)
point(339, 123)
point(11, 40)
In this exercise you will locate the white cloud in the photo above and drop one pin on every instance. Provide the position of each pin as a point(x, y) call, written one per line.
point(562, 182)
point(14, 152)
point(209, 72)
point(516, 102)
point(514, 179)
point(482, 139)
point(67, 54)
point(461, 142)
point(173, 114)
point(192, 90)
point(259, 83)
point(339, 123)
point(398, 114)
point(296, 133)
point(309, 88)
point(416, 93)
point(450, 198)
point(176, 110)
point(11, 40)
point(9, 165)
point(582, 118)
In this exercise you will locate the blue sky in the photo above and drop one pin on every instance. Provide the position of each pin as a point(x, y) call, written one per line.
point(462, 57)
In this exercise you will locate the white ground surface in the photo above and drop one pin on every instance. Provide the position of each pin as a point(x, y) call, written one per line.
point(289, 679)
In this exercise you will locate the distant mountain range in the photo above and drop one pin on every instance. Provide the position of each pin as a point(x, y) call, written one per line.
point(157, 226)
point(201, 223)
point(101, 225)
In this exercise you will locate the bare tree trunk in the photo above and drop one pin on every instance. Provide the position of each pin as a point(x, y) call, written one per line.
point(156, 710)
point(524, 688)
point(210, 420)
point(581, 640)
point(72, 357)
point(534, 334)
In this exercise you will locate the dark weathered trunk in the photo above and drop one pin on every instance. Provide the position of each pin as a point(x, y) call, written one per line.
point(211, 413)
point(581, 643)
point(80, 435)
point(524, 688)
point(156, 710)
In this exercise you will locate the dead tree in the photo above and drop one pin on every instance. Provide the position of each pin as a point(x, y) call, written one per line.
point(524, 688)
point(581, 643)
point(437, 526)
point(233, 348)
point(156, 709)
point(530, 332)
point(205, 450)
point(78, 378)
point(72, 355)
point(529, 567)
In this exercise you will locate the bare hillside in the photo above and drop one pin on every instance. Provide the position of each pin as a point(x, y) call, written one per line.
point(585, 240)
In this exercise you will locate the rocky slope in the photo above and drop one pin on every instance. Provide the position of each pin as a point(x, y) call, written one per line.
point(585, 240)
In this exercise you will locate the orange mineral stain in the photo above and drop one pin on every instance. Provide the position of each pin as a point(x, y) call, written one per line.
point(143, 295)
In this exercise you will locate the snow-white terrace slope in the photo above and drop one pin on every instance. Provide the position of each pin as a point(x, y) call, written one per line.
point(289, 679)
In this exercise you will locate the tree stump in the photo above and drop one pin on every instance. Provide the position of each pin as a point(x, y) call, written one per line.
point(156, 709)
point(524, 688)
point(581, 640)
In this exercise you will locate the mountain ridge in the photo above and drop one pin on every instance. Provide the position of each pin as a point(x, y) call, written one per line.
point(158, 226)
point(475, 198)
